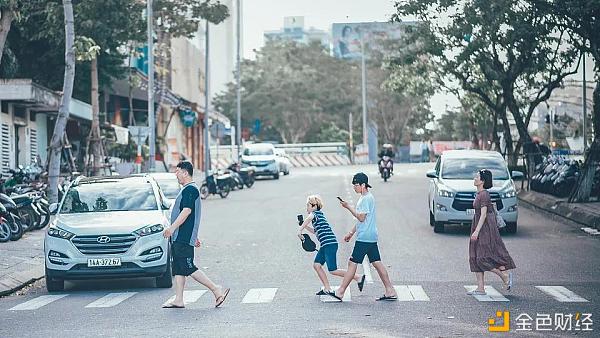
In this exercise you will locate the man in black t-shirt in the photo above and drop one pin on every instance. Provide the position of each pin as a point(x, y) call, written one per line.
point(185, 221)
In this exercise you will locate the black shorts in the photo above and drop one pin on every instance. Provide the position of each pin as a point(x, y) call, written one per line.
point(183, 259)
point(362, 249)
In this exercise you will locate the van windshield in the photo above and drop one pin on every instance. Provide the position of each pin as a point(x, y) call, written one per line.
point(465, 169)
point(258, 151)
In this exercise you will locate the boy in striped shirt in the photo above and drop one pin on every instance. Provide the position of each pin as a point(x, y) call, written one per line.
point(328, 250)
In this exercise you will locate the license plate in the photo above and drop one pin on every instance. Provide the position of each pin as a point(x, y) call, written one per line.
point(470, 211)
point(100, 262)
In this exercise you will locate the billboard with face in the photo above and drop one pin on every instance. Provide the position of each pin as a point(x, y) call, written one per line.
point(347, 37)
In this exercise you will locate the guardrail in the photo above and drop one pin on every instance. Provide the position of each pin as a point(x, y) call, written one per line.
point(339, 148)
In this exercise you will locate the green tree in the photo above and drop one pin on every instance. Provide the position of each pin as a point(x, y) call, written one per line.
point(505, 52)
point(295, 89)
point(581, 19)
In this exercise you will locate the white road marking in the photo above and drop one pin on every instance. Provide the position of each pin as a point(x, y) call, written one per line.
point(111, 299)
point(328, 299)
point(562, 294)
point(37, 302)
point(367, 270)
point(189, 296)
point(264, 295)
point(410, 293)
point(492, 294)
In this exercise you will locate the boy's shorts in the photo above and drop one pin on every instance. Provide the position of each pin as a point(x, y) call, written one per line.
point(183, 259)
point(327, 254)
point(362, 249)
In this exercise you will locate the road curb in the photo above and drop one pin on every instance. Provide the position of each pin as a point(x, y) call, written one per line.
point(569, 211)
point(19, 279)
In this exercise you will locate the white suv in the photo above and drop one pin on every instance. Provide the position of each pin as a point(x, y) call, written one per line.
point(451, 189)
point(261, 156)
point(109, 227)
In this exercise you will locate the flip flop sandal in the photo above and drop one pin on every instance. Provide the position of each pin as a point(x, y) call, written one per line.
point(321, 293)
point(384, 297)
point(332, 294)
point(172, 306)
point(361, 284)
point(222, 298)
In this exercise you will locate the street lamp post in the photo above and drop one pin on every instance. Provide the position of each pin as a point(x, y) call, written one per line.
point(151, 118)
point(206, 104)
point(238, 81)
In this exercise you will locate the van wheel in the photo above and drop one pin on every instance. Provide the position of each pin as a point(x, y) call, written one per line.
point(166, 280)
point(438, 227)
point(276, 176)
point(431, 219)
point(511, 228)
point(54, 285)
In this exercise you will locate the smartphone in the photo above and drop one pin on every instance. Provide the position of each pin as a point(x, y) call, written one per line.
point(339, 198)
point(300, 219)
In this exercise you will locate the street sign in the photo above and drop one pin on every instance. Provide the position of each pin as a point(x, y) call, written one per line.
point(139, 134)
point(256, 126)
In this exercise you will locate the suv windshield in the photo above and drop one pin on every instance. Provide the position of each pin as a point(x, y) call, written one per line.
point(169, 187)
point(258, 151)
point(465, 169)
point(109, 195)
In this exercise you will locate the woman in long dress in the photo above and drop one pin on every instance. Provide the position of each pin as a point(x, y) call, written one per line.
point(486, 248)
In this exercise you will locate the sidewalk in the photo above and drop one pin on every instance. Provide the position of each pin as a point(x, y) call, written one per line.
point(586, 214)
point(22, 261)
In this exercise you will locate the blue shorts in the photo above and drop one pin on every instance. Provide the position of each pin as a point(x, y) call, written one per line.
point(362, 249)
point(327, 254)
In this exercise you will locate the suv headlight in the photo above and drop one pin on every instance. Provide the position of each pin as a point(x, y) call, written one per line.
point(60, 233)
point(509, 193)
point(149, 230)
point(445, 193)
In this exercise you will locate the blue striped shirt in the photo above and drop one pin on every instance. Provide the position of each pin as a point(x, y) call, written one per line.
point(322, 229)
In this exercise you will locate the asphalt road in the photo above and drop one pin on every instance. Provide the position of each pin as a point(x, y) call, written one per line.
point(250, 243)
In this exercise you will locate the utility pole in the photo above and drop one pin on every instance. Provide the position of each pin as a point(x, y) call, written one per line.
point(351, 141)
point(584, 106)
point(151, 118)
point(364, 94)
point(238, 80)
point(206, 105)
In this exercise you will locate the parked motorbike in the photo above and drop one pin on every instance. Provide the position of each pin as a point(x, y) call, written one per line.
point(215, 185)
point(245, 173)
point(11, 223)
point(12, 216)
point(4, 228)
point(556, 175)
point(385, 167)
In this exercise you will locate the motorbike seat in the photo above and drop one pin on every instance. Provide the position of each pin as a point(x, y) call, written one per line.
point(21, 198)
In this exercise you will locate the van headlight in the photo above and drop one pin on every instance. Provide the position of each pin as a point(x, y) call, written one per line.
point(149, 230)
point(445, 193)
point(60, 233)
point(508, 194)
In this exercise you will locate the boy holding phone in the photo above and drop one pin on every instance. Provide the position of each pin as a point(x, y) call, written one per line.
point(328, 250)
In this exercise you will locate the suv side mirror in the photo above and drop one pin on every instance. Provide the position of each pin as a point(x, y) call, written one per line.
point(517, 175)
point(432, 174)
point(53, 208)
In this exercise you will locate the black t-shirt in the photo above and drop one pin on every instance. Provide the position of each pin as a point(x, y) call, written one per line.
point(190, 198)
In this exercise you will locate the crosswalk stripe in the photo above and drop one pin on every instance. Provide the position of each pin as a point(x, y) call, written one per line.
point(189, 296)
point(347, 296)
point(111, 299)
point(264, 295)
point(410, 293)
point(492, 294)
point(562, 294)
point(37, 302)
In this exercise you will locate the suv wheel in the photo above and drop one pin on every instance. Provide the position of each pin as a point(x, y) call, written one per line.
point(166, 280)
point(54, 285)
point(276, 176)
point(511, 228)
point(431, 219)
point(438, 227)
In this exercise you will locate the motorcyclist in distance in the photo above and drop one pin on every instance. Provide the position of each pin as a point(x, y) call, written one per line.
point(389, 152)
